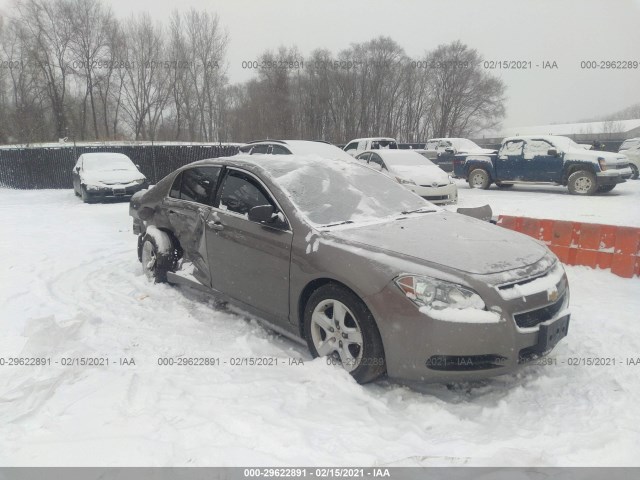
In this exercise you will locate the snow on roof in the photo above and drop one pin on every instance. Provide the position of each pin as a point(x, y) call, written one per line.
point(612, 126)
point(308, 147)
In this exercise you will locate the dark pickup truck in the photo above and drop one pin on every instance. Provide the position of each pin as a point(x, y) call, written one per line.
point(546, 159)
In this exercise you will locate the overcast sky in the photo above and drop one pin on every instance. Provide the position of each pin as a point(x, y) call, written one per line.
point(563, 31)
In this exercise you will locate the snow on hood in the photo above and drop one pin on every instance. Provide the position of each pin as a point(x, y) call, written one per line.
point(112, 177)
point(421, 174)
point(451, 240)
point(593, 155)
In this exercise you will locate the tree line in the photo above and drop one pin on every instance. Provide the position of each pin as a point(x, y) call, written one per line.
point(71, 69)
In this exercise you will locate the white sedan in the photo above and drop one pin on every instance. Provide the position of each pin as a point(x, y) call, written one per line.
point(414, 172)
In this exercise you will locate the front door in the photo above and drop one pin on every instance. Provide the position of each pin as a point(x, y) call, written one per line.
point(249, 261)
point(187, 207)
point(542, 167)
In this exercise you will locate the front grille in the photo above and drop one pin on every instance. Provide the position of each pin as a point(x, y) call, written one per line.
point(535, 317)
point(435, 186)
point(437, 197)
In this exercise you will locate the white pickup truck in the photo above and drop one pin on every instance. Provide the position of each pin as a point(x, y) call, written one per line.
point(359, 145)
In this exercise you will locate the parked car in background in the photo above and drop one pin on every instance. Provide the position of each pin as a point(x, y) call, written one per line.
point(413, 171)
point(294, 147)
point(102, 175)
point(371, 143)
point(631, 149)
point(442, 150)
point(368, 274)
point(629, 144)
point(550, 159)
point(633, 156)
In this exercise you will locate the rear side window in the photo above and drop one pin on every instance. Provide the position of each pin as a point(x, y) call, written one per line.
point(196, 184)
point(351, 146)
point(279, 150)
point(513, 147)
point(259, 149)
point(240, 193)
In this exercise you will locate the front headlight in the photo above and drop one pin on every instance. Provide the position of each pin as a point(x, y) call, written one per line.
point(450, 179)
point(603, 164)
point(404, 181)
point(438, 294)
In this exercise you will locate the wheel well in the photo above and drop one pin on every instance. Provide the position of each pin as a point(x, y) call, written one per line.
point(574, 168)
point(308, 291)
point(178, 251)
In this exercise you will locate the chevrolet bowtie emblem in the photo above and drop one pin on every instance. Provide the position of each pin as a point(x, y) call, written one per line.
point(552, 295)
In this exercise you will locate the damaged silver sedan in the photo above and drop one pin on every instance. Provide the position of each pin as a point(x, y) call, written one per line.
point(365, 272)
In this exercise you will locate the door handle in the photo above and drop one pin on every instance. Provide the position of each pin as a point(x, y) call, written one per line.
point(215, 225)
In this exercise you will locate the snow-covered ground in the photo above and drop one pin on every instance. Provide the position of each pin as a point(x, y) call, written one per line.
point(619, 207)
point(71, 287)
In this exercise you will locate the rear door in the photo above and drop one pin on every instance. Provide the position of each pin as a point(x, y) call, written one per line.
point(188, 206)
point(510, 164)
point(249, 261)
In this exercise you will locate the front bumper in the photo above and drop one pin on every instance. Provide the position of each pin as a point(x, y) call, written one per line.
point(100, 192)
point(421, 349)
point(613, 177)
point(446, 194)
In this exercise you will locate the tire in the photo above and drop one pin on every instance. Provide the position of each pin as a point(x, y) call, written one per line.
point(504, 186)
point(155, 264)
point(363, 357)
point(635, 173)
point(582, 182)
point(606, 188)
point(479, 178)
point(84, 195)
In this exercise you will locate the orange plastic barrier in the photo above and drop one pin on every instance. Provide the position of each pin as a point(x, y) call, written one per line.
point(590, 244)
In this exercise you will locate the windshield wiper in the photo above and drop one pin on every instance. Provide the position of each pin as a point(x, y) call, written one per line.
point(418, 210)
point(335, 224)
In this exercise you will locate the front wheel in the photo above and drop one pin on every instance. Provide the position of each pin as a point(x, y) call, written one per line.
point(582, 182)
point(338, 325)
point(479, 178)
point(634, 171)
point(155, 262)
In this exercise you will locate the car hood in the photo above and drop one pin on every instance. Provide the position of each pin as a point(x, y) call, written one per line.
point(593, 155)
point(422, 174)
point(112, 177)
point(451, 240)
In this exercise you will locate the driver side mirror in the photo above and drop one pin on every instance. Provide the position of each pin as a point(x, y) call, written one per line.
point(552, 152)
point(77, 169)
point(262, 214)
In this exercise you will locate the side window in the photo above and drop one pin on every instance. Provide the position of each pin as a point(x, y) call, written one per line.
point(536, 148)
point(240, 193)
point(198, 184)
point(431, 145)
point(245, 148)
point(362, 145)
point(279, 150)
point(376, 162)
point(175, 188)
point(351, 146)
point(513, 147)
point(260, 149)
point(364, 157)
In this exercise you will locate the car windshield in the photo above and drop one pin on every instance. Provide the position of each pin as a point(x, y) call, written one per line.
point(107, 164)
point(464, 144)
point(329, 192)
point(565, 143)
point(405, 159)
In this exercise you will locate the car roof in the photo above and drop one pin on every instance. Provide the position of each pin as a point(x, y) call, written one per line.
point(385, 139)
point(308, 147)
point(549, 138)
point(104, 155)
